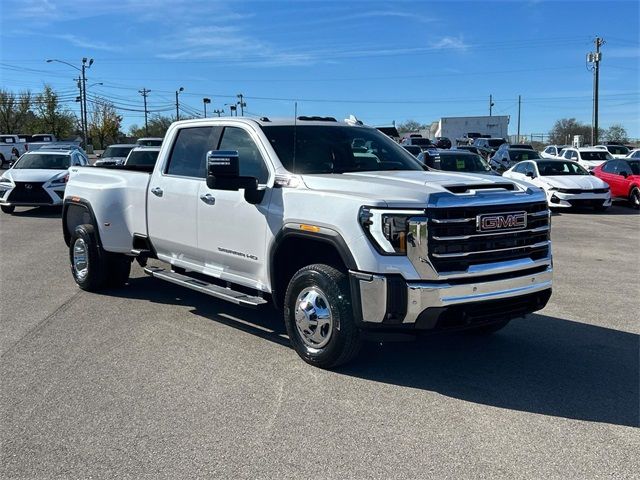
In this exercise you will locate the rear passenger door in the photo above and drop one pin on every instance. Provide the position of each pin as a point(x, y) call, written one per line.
point(172, 198)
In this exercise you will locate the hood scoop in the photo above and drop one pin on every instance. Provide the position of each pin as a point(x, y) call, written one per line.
point(487, 186)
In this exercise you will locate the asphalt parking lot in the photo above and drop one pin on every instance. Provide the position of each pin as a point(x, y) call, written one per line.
point(154, 381)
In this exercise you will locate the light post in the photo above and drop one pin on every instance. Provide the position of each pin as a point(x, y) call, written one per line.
point(86, 63)
point(181, 89)
point(241, 103)
point(205, 101)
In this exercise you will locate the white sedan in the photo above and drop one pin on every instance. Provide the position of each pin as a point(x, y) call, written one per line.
point(566, 183)
point(38, 179)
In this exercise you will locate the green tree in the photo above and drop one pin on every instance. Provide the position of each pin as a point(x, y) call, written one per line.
point(51, 116)
point(14, 111)
point(565, 128)
point(104, 127)
point(158, 125)
point(411, 126)
point(617, 133)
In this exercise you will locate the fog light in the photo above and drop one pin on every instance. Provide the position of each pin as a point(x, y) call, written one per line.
point(554, 199)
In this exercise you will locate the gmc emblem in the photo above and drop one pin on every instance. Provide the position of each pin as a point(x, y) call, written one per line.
point(501, 221)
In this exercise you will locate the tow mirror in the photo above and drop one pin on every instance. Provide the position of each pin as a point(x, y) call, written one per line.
point(223, 173)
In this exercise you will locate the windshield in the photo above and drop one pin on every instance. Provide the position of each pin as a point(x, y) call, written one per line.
point(495, 143)
point(337, 149)
point(38, 160)
point(520, 155)
point(462, 163)
point(618, 149)
point(603, 155)
point(116, 152)
point(559, 167)
point(142, 157)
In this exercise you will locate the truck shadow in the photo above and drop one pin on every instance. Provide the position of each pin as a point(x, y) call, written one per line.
point(39, 212)
point(541, 364)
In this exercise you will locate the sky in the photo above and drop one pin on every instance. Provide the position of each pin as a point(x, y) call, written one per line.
point(381, 61)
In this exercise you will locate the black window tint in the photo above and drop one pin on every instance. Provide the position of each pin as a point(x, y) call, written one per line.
point(188, 156)
point(251, 161)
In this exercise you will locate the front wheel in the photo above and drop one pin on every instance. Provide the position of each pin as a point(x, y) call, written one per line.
point(634, 198)
point(7, 208)
point(319, 317)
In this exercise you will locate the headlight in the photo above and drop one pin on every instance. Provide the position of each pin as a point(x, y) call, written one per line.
point(60, 180)
point(387, 229)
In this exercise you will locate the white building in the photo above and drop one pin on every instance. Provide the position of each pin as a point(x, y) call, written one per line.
point(458, 127)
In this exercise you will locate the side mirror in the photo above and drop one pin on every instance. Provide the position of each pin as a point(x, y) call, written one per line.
point(624, 174)
point(98, 155)
point(223, 173)
point(530, 175)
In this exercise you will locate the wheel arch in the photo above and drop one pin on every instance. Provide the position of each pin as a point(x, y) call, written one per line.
point(78, 212)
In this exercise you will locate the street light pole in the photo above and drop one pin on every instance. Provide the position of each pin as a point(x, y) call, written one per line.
point(205, 101)
point(181, 89)
point(218, 112)
point(241, 103)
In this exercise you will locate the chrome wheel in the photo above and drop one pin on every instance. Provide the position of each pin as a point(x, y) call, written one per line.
point(80, 259)
point(313, 318)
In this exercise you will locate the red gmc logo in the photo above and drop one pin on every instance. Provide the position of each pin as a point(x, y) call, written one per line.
point(501, 221)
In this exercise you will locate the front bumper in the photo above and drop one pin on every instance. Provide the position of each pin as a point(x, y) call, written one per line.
point(568, 200)
point(389, 302)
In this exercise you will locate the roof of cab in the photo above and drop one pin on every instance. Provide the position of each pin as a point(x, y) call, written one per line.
point(265, 121)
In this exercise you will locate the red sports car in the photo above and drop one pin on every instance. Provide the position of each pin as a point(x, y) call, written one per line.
point(623, 176)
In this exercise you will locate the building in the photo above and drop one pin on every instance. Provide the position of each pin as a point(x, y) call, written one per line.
point(458, 127)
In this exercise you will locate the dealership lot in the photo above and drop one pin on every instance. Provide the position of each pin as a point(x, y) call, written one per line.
point(153, 380)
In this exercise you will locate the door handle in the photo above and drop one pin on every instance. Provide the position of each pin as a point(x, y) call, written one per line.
point(157, 191)
point(208, 199)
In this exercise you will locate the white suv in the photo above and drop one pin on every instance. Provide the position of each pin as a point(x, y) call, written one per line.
point(589, 158)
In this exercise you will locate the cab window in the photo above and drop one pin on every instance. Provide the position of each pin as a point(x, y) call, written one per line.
point(189, 153)
point(251, 162)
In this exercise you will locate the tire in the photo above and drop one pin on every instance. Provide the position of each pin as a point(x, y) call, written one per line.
point(634, 198)
point(321, 288)
point(489, 329)
point(88, 260)
point(7, 208)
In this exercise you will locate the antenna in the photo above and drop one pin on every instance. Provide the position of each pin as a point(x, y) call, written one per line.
point(295, 128)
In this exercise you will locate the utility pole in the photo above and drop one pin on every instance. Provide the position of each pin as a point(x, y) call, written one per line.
point(84, 97)
point(144, 92)
point(79, 100)
point(181, 89)
point(519, 101)
point(594, 58)
point(242, 104)
point(491, 104)
point(218, 112)
point(204, 102)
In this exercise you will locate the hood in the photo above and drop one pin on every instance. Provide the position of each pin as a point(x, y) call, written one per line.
point(398, 186)
point(584, 182)
point(32, 175)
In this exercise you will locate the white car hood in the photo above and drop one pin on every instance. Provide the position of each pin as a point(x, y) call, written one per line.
point(401, 186)
point(583, 182)
point(32, 175)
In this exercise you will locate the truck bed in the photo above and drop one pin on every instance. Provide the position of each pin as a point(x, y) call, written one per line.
point(118, 197)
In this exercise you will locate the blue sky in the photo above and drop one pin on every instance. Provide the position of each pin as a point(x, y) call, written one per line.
point(381, 61)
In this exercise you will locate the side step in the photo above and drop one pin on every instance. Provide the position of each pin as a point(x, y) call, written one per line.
point(217, 291)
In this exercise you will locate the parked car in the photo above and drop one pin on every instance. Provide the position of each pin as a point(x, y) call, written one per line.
point(429, 156)
point(254, 211)
point(505, 158)
point(623, 176)
point(616, 151)
point(114, 154)
point(443, 143)
point(634, 153)
point(412, 149)
point(489, 143)
point(10, 149)
point(419, 141)
point(461, 162)
point(149, 141)
point(589, 157)
point(483, 152)
point(566, 183)
point(142, 156)
point(552, 151)
point(38, 179)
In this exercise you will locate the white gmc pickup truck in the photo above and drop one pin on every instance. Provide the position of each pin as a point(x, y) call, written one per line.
point(332, 222)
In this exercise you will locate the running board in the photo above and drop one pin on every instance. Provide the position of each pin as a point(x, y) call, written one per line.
point(217, 291)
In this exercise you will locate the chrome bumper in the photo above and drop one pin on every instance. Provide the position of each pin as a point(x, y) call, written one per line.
point(375, 294)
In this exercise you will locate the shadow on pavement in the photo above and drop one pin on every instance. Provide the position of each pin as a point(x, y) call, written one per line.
point(540, 364)
point(41, 212)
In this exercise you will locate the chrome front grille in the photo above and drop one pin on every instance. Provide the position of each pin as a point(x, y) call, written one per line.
point(455, 244)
